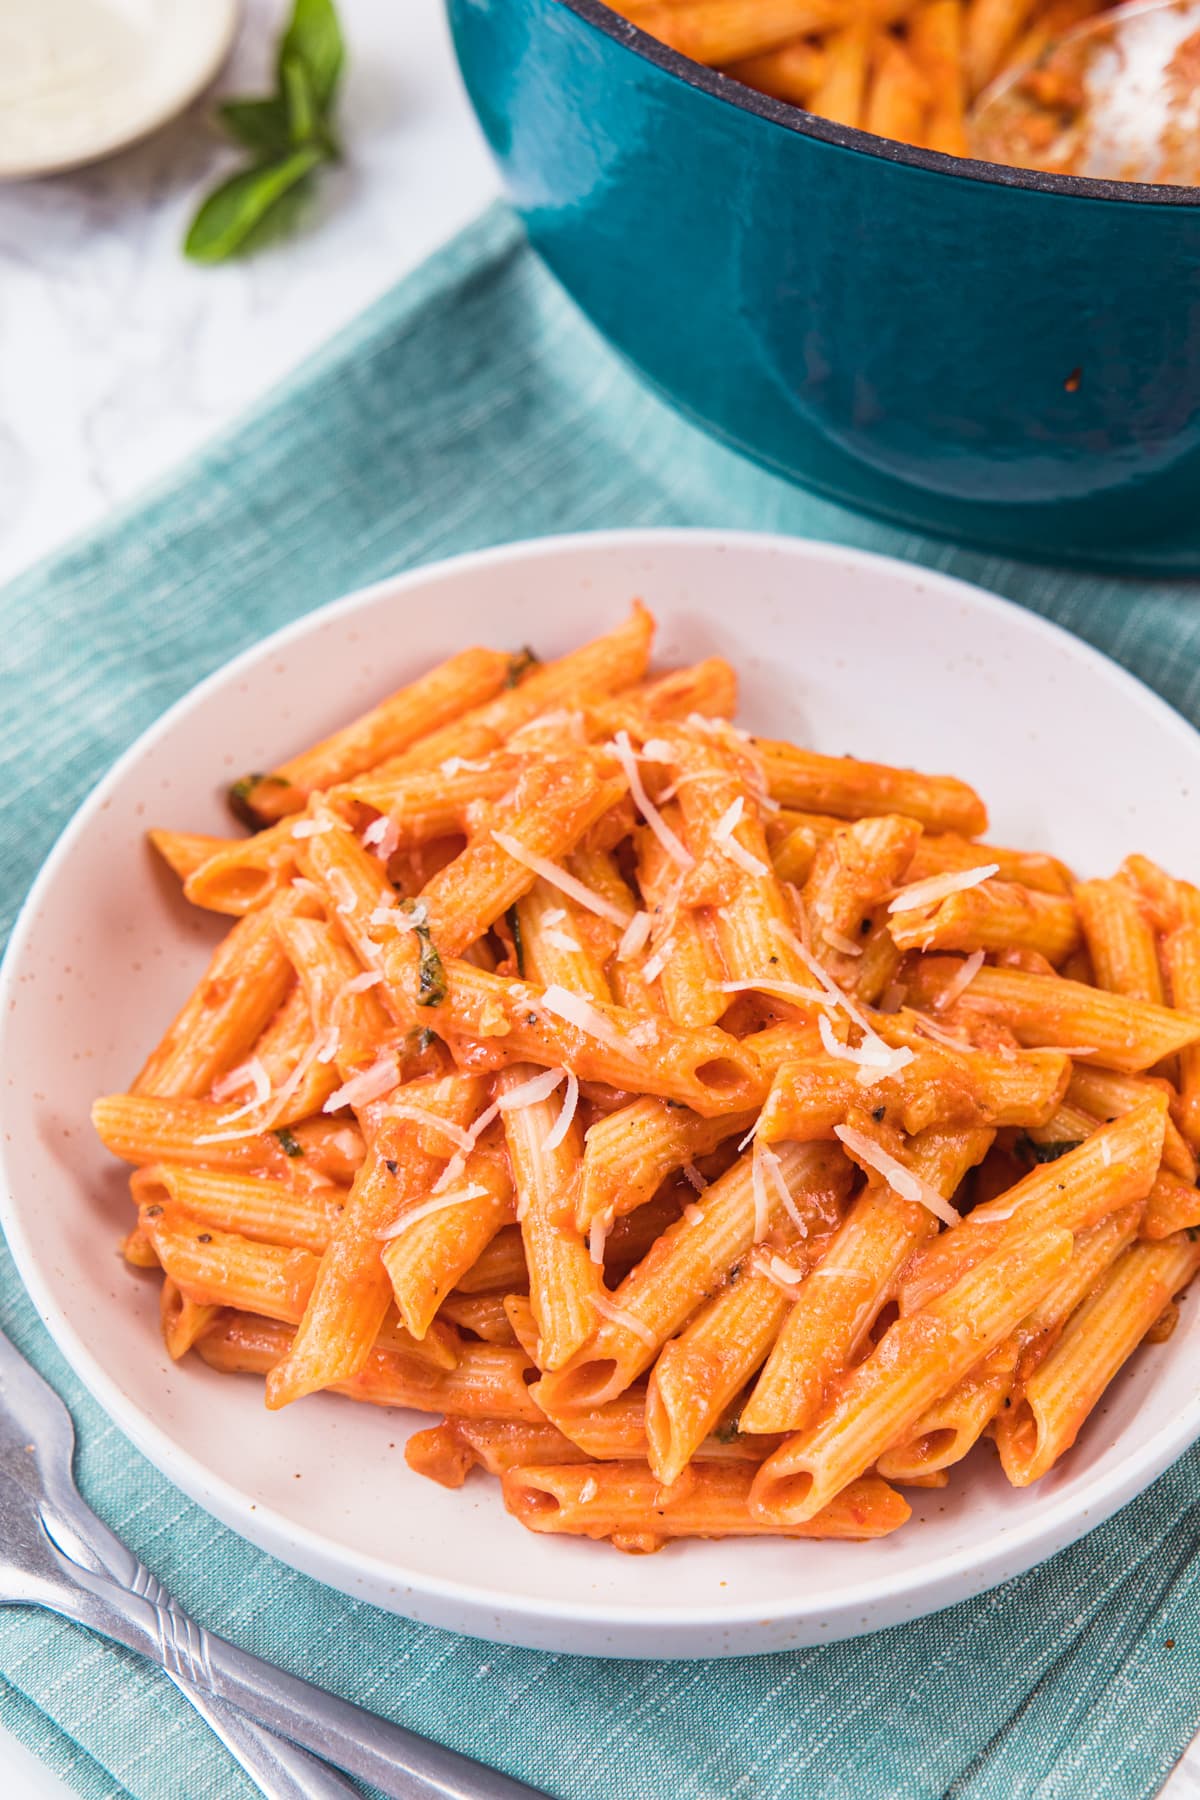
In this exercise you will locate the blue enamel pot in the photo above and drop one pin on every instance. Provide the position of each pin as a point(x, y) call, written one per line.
point(998, 356)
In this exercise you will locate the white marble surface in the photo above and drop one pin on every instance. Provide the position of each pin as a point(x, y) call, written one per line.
point(117, 356)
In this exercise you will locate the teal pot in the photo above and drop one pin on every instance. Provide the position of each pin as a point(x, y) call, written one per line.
point(998, 356)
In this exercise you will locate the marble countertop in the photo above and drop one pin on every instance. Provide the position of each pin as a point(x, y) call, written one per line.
point(117, 356)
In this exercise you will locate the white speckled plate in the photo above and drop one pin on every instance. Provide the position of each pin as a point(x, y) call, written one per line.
point(844, 651)
point(82, 78)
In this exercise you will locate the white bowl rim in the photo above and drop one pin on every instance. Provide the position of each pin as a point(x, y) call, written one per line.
point(1050, 1527)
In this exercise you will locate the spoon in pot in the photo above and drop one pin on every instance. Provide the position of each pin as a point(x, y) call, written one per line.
point(1117, 98)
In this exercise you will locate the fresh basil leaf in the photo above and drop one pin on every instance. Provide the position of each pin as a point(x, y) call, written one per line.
point(234, 210)
point(314, 38)
point(258, 125)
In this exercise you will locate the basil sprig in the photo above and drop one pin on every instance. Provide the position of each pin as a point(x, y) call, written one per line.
point(289, 134)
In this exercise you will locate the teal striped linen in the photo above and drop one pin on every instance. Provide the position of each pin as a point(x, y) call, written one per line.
point(472, 405)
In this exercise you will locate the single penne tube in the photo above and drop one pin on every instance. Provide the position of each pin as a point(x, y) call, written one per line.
point(270, 1212)
point(1049, 1410)
point(487, 1381)
point(709, 688)
point(918, 1358)
point(556, 943)
point(994, 915)
point(223, 1269)
point(182, 1320)
point(898, 94)
point(552, 805)
point(701, 1371)
point(445, 693)
point(1106, 1095)
point(842, 90)
point(345, 1015)
point(1115, 1167)
point(502, 1444)
point(241, 874)
point(726, 31)
point(792, 72)
point(1119, 939)
point(946, 853)
point(990, 29)
point(447, 1453)
point(628, 1154)
point(1172, 1205)
point(300, 1082)
point(687, 1262)
point(545, 1155)
point(448, 1234)
point(1111, 1030)
point(499, 1267)
point(481, 1314)
point(184, 851)
point(682, 961)
point(431, 803)
point(352, 1291)
point(607, 665)
point(495, 1021)
point(949, 1428)
point(723, 829)
point(851, 789)
point(245, 983)
point(841, 1298)
point(852, 871)
point(1181, 966)
point(220, 1268)
point(143, 1129)
point(935, 42)
point(810, 1099)
point(627, 1503)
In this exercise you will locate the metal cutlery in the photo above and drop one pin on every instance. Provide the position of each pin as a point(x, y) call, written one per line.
point(37, 1446)
point(55, 1553)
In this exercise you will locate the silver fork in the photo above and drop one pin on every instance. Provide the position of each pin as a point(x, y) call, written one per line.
point(55, 1553)
point(37, 1448)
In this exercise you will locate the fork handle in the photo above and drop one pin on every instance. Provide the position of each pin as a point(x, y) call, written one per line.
point(398, 1762)
point(279, 1769)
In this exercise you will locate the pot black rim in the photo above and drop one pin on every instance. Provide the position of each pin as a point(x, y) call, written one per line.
point(847, 137)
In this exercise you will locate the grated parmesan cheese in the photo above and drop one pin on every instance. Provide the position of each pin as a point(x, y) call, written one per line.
point(634, 937)
point(561, 879)
point(473, 1191)
point(722, 836)
point(574, 1010)
point(598, 1236)
point(559, 940)
point(382, 836)
point(939, 887)
point(758, 1186)
point(774, 1169)
point(370, 1085)
point(566, 1115)
point(902, 1181)
point(250, 1074)
point(960, 982)
point(694, 1176)
point(677, 851)
point(307, 828)
point(616, 1315)
point(342, 891)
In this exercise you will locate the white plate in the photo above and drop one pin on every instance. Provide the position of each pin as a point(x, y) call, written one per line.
point(82, 78)
point(844, 651)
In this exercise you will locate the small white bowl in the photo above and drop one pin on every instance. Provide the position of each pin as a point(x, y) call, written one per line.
point(80, 79)
point(837, 649)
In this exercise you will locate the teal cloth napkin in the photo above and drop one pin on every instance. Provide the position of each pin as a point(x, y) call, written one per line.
point(472, 405)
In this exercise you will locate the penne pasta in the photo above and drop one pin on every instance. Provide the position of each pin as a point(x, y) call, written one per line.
point(705, 1130)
